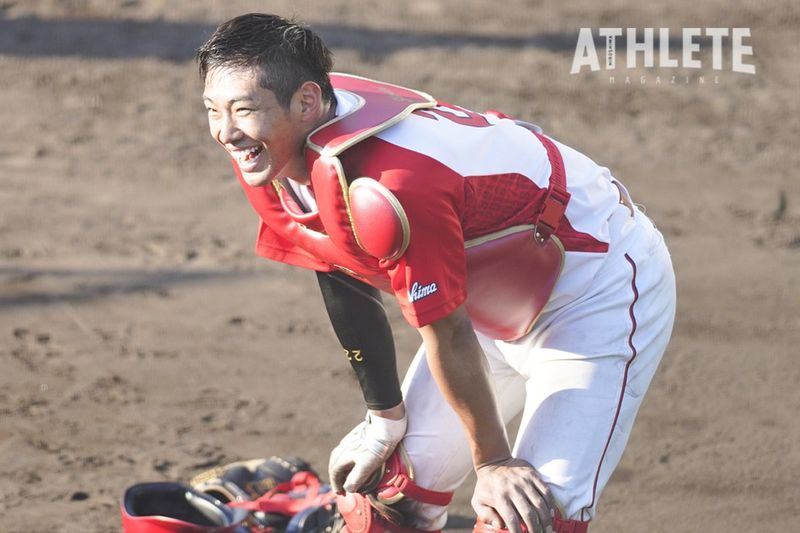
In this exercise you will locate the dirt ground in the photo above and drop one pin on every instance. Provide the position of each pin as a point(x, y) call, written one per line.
point(142, 339)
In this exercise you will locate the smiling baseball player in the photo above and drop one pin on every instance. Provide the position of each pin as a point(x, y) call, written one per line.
point(537, 286)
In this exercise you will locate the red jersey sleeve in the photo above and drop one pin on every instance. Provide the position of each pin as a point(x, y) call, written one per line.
point(429, 280)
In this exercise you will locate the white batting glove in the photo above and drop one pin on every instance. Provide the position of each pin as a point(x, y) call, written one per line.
point(362, 451)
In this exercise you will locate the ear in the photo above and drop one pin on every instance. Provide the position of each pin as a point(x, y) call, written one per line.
point(307, 101)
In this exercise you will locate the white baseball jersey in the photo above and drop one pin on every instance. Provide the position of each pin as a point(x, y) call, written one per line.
point(460, 175)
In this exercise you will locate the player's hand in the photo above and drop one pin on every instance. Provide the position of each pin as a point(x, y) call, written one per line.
point(511, 494)
point(363, 451)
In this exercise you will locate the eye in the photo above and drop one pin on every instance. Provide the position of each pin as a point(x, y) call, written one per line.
point(242, 111)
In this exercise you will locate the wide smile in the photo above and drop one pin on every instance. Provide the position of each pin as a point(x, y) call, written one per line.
point(248, 158)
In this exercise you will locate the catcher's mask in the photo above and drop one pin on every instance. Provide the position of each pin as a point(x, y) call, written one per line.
point(166, 507)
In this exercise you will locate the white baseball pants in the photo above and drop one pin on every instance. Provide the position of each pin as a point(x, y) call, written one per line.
point(578, 378)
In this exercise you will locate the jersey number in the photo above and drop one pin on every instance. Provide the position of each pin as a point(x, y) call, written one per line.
point(456, 114)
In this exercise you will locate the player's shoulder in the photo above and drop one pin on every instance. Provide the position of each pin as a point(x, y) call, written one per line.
point(412, 175)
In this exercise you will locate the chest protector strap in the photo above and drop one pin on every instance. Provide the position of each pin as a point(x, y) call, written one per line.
point(557, 197)
point(511, 273)
point(555, 201)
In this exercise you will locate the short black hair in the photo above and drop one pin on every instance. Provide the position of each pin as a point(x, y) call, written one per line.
point(286, 53)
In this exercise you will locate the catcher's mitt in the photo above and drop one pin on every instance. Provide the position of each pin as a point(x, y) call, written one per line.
point(248, 480)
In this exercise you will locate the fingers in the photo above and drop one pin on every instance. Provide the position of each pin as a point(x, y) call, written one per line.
point(349, 471)
point(487, 515)
point(499, 514)
point(360, 473)
point(517, 498)
point(362, 451)
point(530, 515)
point(338, 473)
point(534, 507)
point(543, 489)
point(542, 502)
point(337, 480)
point(510, 517)
point(333, 467)
point(519, 517)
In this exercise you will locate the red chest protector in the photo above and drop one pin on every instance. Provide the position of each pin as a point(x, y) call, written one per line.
point(360, 228)
point(326, 240)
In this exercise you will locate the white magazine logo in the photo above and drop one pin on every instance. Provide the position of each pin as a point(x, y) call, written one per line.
point(418, 292)
point(689, 45)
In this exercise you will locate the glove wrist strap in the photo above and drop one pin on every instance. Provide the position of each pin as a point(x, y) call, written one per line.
point(385, 430)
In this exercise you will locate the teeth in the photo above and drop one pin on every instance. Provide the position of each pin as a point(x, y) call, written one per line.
point(244, 154)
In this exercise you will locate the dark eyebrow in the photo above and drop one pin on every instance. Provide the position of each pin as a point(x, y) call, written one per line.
point(232, 100)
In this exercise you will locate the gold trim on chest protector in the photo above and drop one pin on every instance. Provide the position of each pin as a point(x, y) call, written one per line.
point(349, 272)
point(497, 235)
point(511, 231)
point(278, 186)
point(346, 197)
point(355, 139)
point(320, 149)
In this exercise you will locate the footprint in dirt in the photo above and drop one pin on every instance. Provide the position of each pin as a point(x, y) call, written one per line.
point(114, 389)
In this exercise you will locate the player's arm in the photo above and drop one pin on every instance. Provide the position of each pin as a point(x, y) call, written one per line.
point(457, 364)
point(359, 320)
point(507, 489)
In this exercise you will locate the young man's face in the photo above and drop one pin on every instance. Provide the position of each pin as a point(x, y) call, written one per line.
point(265, 139)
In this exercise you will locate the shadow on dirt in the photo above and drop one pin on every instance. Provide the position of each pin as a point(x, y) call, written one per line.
point(177, 41)
point(36, 287)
